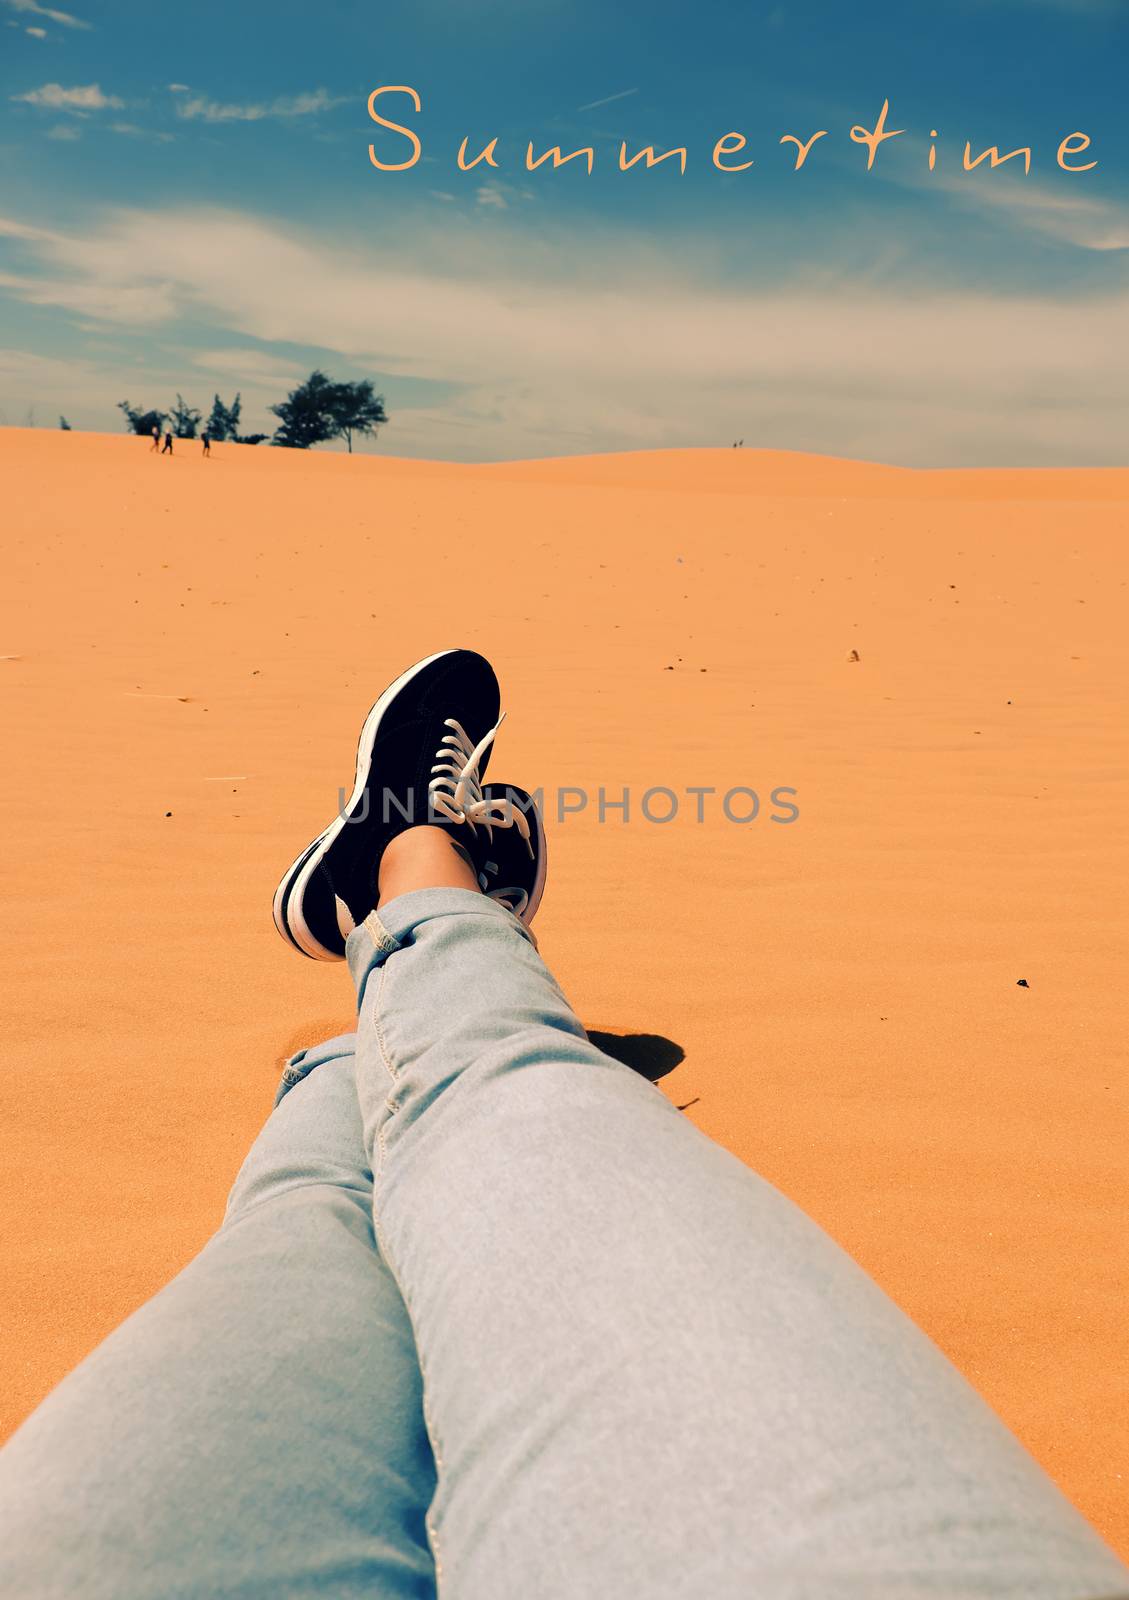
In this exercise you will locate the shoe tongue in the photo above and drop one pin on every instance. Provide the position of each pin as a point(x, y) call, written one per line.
point(345, 920)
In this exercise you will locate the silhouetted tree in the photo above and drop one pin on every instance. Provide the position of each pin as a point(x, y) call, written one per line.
point(141, 421)
point(216, 425)
point(64, 424)
point(357, 410)
point(306, 415)
point(185, 419)
point(320, 409)
point(223, 423)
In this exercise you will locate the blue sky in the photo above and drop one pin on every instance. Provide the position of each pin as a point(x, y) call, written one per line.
point(187, 203)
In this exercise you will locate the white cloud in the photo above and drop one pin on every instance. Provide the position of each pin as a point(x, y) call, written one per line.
point(87, 388)
point(11, 229)
point(37, 33)
point(32, 8)
point(248, 367)
point(297, 105)
point(496, 195)
point(1078, 219)
point(551, 346)
point(132, 305)
point(83, 97)
point(85, 391)
point(609, 99)
point(178, 88)
point(64, 131)
point(1061, 209)
point(133, 131)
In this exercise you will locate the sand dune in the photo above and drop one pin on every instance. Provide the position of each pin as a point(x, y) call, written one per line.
point(188, 646)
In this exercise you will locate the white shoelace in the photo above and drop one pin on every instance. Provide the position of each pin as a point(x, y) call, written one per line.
point(455, 792)
point(514, 899)
point(513, 896)
point(455, 789)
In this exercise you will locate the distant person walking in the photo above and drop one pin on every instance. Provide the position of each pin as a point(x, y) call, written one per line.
point(156, 445)
point(206, 441)
point(166, 448)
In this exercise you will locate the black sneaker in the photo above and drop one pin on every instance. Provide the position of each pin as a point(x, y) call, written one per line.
point(421, 753)
point(511, 854)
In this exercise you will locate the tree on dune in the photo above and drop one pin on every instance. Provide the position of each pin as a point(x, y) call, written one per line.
point(357, 410)
point(319, 410)
point(223, 423)
point(306, 415)
point(141, 421)
point(185, 419)
point(64, 424)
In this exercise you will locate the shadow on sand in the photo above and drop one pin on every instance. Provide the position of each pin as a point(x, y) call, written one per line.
point(649, 1054)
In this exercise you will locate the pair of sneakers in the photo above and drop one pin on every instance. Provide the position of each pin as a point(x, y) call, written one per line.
point(421, 758)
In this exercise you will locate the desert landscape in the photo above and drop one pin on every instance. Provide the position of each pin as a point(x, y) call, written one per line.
point(906, 1007)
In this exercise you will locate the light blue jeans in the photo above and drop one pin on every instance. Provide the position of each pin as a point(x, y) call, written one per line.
point(586, 1353)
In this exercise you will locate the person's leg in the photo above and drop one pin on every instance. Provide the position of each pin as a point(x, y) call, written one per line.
point(647, 1372)
point(256, 1429)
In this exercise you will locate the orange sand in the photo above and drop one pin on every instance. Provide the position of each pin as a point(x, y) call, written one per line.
point(204, 637)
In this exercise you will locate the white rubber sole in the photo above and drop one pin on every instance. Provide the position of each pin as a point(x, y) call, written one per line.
point(281, 894)
point(289, 895)
point(538, 889)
